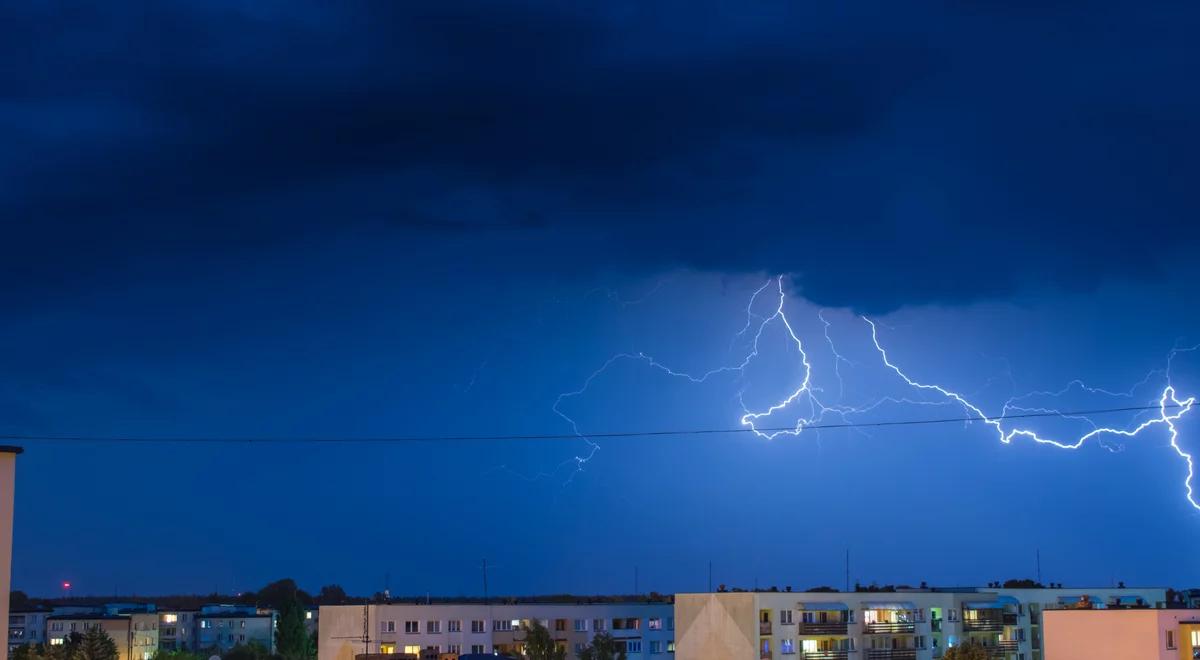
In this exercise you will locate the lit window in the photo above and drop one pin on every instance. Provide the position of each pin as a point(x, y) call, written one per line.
point(387, 649)
point(308, 615)
point(1195, 638)
point(413, 649)
point(787, 646)
point(670, 646)
point(654, 623)
point(57, 641)
point(170, 618)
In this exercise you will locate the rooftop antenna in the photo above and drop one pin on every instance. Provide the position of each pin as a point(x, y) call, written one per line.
point(847, 569)
point(485, 584)
point(1039, 565)
point(635, 581)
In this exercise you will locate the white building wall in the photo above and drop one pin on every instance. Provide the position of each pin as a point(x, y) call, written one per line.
point(341, 627)
point(8, 468)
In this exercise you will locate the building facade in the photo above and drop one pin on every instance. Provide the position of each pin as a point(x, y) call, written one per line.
point(135, 634)
point(177, 630)
point(8, 475)
point(916, 624)
point(1109, 634)
point(222, 627)
point(446, 631)
point(26, 626)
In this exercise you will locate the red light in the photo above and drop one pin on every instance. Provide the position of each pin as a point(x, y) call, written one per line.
point(66, 585)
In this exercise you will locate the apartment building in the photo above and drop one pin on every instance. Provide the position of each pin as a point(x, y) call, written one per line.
point(223, 627)
point(1116, 634)
point(906, 624)
point(26, 626)
point(446, 631)
point(135, 633)
point(177, 630)
point(8, 475)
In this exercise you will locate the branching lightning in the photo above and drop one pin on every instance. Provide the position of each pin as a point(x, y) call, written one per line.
point(812, 406)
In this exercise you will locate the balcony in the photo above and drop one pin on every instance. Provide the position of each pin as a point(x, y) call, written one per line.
point(764, 627)
point(826, 655)
point(1003, 649)
point(1010, 618)
point(883, 627)
point(935, 625)
point(891, 654)
point(821, 628)
point(983, 625)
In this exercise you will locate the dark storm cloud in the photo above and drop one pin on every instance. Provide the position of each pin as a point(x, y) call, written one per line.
point(891, 154)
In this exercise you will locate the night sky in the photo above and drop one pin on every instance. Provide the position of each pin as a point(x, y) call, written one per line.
point(263, 219)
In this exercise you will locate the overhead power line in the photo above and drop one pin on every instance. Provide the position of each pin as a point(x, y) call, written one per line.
point(555, 436)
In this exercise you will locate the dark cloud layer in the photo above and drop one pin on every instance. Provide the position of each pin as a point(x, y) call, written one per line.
point(884, 153)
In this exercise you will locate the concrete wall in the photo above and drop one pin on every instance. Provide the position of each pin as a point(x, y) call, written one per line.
point(1109, 634)
point(8, 465)
point(716, 626)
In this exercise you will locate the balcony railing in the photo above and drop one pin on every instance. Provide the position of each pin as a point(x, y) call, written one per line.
point(883, 627)
point(891, 654)
point(1010, 618)
point(822, 628)
point(983, 625)
point(764, 627)
point(842, 654)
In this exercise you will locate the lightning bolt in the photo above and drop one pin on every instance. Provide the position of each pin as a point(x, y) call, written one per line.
point(809, 398)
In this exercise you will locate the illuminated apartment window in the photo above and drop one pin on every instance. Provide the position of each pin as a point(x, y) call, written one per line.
point(170, 618)
point(413, 649)
point(787, 646)
point(670, 646)
point(1195, 638)
point(308, 615)
point(655, 623)
point(57, 641)
point(387, 649)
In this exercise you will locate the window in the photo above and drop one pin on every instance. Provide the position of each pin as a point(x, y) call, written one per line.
point(785, 617)
point(670, 623)
point(170, 618)
point(57, 641)
point(502, 625)
point(952, 615)
point(412, 628)
point(477, 626)
point(308, 615)
point(1170, 639)
point(241, 638)
point(655, 623)
point(581, 625)
point(578, 648)
point(477, 648)
point(670, 646)
point(243, 623)
point(57, 626)
point(387, 649)
point(387, 626)
point(433, 627)
point(560, 625)
point(787, 646)
point(413, 649)
point(599, 625)
point(632, 623)
point(633, 646)
point(919, 642)
point(454, 625)
point(656, 647)
point(1195, 638)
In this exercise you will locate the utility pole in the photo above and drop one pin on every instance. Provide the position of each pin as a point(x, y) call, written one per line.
point(485, 584)
point(635, 581)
